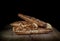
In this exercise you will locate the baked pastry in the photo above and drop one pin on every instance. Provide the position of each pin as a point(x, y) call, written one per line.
point(31, 25)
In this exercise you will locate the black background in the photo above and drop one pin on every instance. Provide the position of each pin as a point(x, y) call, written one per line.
point(48, 12)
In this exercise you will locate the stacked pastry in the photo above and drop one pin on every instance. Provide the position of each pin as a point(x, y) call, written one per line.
point(30, 25)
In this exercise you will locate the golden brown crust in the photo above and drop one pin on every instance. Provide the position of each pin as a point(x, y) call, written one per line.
point(23, 27)
point(31, 25)
point(31, 19)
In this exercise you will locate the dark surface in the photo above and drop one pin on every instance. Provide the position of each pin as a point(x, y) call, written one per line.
point(48, 12)
point(8, 35)
point(44, 11)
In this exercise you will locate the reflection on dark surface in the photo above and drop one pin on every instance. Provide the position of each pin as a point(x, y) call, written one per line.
point(44, 12)
point(8, 35)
